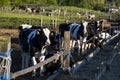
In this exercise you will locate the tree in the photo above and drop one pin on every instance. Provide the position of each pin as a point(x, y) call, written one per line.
point(4, 2)
point(85, 4)
point(117, 2)
point(17, 2)
point(99, 4)
point(99, 7)
point(53, 2)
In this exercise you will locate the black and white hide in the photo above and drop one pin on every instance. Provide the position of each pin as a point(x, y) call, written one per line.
point(76, 34)
point(55, 40)
point(91, 39)
point(33, 42)
point(53, 49)
point(104, 37)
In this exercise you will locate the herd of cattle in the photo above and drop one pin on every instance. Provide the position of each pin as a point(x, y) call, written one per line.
point(39, 43)
point(37, 9)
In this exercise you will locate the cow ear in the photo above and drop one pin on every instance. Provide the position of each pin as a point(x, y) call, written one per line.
point(38, 33)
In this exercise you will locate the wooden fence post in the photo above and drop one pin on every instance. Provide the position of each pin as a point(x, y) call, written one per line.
point(41, 22)
point(9, 44)
point(55, 23)
point(66, 21)
point(67, 54)
point(52, 23)
point(5, 43)
point(30, 21)
point(66, 41)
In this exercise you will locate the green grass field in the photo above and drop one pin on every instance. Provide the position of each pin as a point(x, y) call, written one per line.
point(12, 19)
point(22, 15)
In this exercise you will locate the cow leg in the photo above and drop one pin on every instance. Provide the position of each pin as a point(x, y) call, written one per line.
point(23, 61)
point(42, 58)
point(79, 47)
point(27, 58)
point(62, 42)
point(72, 45)
point(23, 58)
point(84, 45)
point(34, 63)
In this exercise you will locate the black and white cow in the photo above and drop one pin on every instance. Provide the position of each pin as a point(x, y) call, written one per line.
point(54, 39)
point(104, 37)
point(93, 28)
point(54, 48)
point(76, 33)
point(33, 42)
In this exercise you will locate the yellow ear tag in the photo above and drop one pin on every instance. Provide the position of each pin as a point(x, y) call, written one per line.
point(38, 33)
point(51, 34)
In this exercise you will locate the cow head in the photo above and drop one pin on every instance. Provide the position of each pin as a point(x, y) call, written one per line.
point(54, 38)
point(41, 37)
point(47, 32)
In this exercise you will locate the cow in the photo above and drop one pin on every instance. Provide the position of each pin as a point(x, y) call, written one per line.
point(54, 48)
point(79, 32)
point(91, 16)
point(76, 34)
point(93, 31)
point(104, 37)
point(33, 43)
point(54, 39)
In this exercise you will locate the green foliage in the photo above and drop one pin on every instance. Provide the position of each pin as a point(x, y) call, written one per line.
point(85, 4)
point(117, 2)
point(17, 2)
point(92, 4)
point(89, 4)
point(99, 7)
point(53, 2)
point(4, 2)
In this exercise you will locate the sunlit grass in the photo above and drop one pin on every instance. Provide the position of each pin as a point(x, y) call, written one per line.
point(22, 15)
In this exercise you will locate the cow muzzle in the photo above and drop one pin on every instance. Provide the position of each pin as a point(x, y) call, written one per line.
point(48, 42)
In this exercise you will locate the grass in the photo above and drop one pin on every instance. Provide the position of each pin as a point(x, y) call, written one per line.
point(15, 19)
point(12, 19)
point(22, 15)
